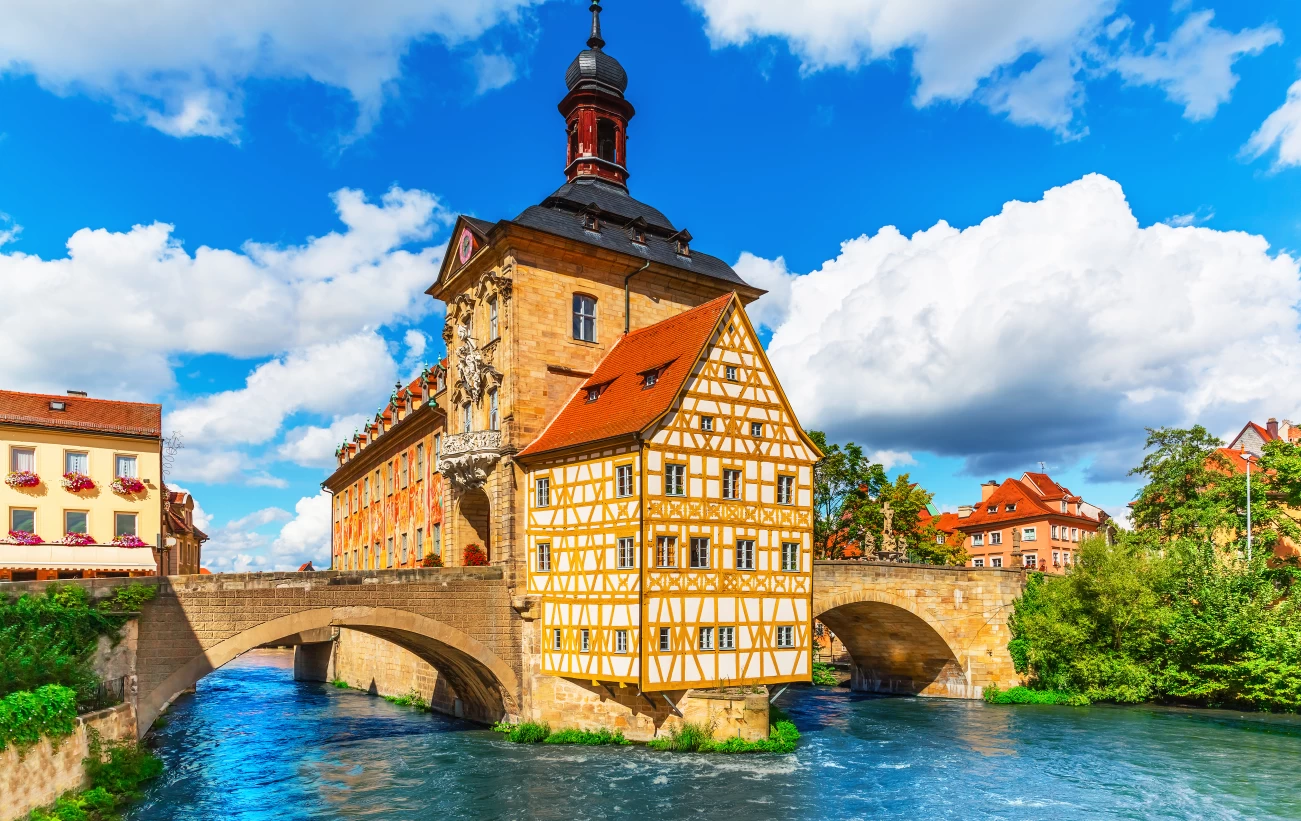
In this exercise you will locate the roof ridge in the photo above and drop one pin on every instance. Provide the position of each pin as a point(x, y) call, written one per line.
point(689, 312)
point(63, 397)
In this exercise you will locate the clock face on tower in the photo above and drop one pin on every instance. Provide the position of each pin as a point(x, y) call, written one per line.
point(465, 246)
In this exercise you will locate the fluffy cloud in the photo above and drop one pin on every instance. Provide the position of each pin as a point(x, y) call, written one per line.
point(181, 67)
point(313, 446)
point(144, 299)
point(1023, 58)
point(241, 545)
point(306, 537)
point(1281, 130)
point(1054, 330)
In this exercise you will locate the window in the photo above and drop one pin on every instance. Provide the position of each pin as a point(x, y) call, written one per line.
point(675, 480)
point(1029, 534)
point(666, 551)
point(544, 557)
point(438, 448)
point(664, 640)
point(1054, 531)
point(467, 418)
point(420, 461)
point(620, 641)
point(649, 379)
point(555, 639)
point(593, 394)
point(731, 484)
point(791, 556)
point(997, 561)
point(977, 540)
point(623, 480)
point(1030, 560)
point(1063, 506)
point(365, 491)
point(438, 540)
point(706, 638)
point(627, 555)
point(388, 553)
point(585, 640)
point(745, 554)
point(1075, 534)
point(420, 543)
point(22, 460)
point(1009, 508)
point(76, 462)
point(492, 409)
point(992, 509)
point(405, 554)
point(492, 319)
point(22, 519)
point(939, 538)
point(584, 318)
point(57, 405)
point(786, 636)
point(1066, 558)
point(707, 423)
point(406, 470)
point(605, 132)
point(124, 524)
point(977, 562)
point(124, 467)
point(727, 638)
point(699, 553)
point(996, 537)
point(543, 492)
point(1057, 558)
point(74, 521)
point(756, 429)
point(785, 490)
point(730, 372)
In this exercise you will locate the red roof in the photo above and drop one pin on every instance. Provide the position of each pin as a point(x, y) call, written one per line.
point(82, 413)
point(624, 405)
point(1236, 463)
point(1028, 501)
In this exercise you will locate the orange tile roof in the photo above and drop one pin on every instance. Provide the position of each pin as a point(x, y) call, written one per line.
point(1029, 502)
point(82, 413)
point(1236, 463)
point(625, 406)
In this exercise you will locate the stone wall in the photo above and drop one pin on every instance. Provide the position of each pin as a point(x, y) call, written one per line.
point(383, 668)
point(45, 771)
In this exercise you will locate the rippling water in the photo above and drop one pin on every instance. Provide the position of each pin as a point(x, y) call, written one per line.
point(254, 744)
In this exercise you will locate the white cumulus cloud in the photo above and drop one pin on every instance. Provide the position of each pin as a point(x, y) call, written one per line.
point(1281, 130)
point(1055, 330)
point(306, 537)
point(181, 67)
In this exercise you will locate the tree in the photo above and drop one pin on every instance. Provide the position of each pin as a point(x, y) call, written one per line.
point(1183, 496)
point(841, 478)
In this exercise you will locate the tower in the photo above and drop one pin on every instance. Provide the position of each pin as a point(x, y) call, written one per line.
point(596, 113)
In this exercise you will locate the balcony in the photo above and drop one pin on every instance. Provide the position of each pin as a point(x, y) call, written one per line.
point(468, 458)
point(107, 557)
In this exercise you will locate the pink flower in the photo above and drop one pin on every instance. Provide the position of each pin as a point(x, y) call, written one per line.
point(76, 539)
point(127, 485)
point(22, 478)
point(23, 537)
point(77, 482)
point(128, 540)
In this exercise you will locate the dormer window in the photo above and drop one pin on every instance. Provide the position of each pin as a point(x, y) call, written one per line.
point(992, 509)
point(1063, 507)
point(594, 393)
point(1010, 508)
point(637, 230)
point(592, 218)
point(682, 243)
point(649, 379)
point(58, 405)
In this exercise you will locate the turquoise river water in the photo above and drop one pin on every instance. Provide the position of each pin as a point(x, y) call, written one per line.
point(254, 744)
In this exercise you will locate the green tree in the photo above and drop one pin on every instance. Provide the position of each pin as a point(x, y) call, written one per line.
point(1183, 471)
point(842, 478)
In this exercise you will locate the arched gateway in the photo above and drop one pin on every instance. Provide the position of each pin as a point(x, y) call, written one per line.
point(459, 620)
point(920, 629)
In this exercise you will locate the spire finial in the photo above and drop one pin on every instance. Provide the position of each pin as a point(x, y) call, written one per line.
point(595, 40)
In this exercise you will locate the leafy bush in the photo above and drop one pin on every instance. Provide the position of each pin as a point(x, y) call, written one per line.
point(687, 737)
point(824, 675)
point(690, 737)
point(474, 556)
point(410, 699)
point(1024, 695)
point(341, 684)
point(526, 732)
point(120, 767)
point(26, 716)
point(587, 738)
point(129, 599)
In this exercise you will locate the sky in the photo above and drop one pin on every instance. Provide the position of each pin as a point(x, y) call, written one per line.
point(994, 234)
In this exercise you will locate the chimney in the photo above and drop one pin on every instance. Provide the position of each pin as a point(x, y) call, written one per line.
point(964, 511)
point(1272, 427)
point(83, 393)
point(987, 489)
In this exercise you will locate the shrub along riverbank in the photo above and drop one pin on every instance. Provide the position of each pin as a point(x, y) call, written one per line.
point(688, 737)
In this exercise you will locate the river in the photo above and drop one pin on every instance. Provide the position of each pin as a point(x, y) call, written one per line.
point(254, 744)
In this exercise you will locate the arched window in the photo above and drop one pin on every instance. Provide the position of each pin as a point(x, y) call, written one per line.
point(573, 141)
point(605, 140)
point(585, 317)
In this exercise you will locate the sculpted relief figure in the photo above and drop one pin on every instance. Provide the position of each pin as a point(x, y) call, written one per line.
point(473, 370)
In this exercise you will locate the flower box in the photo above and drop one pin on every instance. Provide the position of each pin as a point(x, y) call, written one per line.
point(130, 541)
point(77, 482)
point(22, 478)
point(23, 537)
point(76, 539)
point(127, 485)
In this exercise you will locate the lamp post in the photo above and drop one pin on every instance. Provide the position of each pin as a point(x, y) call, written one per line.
point(1247, 456)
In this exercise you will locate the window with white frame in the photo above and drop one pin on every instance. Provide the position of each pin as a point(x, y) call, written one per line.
point(438, 449)
point(996, 537)
point(666, 551)
point(404, 549)
point(997, 561)
point(666, 641)
point(1030, 560)
point(419, 545)
point(492, 319)
point(977, 562)
point(699, 552)
point(388, 551)
point(584, 318)
point(745, 554)
point(543, 495)
point(365, 491)
point(991, 509)
point(24, 519)
point(707, 423)
point(124, 524)
point(1075, 534)
point(791, 556)
point(706, 638)
point(22, 460)
point(492, 410)
point(675, 480)
point(978, 540)
point(1028, 534)
point(939, 538)
point(75, 521)
point(785, 490)
point(555, 639)
point(584, 640)
point(544, 557)
point(756, 429)
point(124, 467)
point(785, 635)
point(1063, 506)
point(406, 470)
point(1053, 531)
point(620, 641)
point(438, 540)
point(467, 418)
point(1066, 557)
point(420, 461)
point(1057, 558)
point(731, 484)
point(727, 638)
point(729, 371)
point(76, 461)
point(627, 553)
point(623, 480)
point(1010, 507)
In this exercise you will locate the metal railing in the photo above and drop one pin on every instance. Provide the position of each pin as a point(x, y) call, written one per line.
point(109, 693)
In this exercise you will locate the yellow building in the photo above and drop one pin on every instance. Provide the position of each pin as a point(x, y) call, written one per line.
point(669, 518)
point(83, 493)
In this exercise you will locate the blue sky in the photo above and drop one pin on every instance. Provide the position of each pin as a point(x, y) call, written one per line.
point(309, 164)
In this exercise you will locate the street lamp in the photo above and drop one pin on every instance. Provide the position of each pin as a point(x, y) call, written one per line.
point(1246, 455)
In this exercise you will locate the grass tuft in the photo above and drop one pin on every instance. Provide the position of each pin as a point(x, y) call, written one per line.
point(1024, 695)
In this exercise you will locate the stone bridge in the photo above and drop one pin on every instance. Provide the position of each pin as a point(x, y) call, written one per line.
point(920, 629)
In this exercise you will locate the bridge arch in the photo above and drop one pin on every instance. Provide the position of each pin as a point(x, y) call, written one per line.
point(486, 684)
point(895, 646)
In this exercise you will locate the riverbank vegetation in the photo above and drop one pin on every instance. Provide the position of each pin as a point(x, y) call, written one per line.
point(534, 732)
point(1177, 610)
point(116, 771)
point(687, 737)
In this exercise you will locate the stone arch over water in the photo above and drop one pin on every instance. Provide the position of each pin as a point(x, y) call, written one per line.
point(485, 683)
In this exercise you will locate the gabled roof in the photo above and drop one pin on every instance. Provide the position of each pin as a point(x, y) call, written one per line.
point(1029, 502)
point(625, 406)
point(944, 522)
point(82, 413)
point(1236, 463)
point(1262, 431)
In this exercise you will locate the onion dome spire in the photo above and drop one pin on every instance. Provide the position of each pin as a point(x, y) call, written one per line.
point(595, 111)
